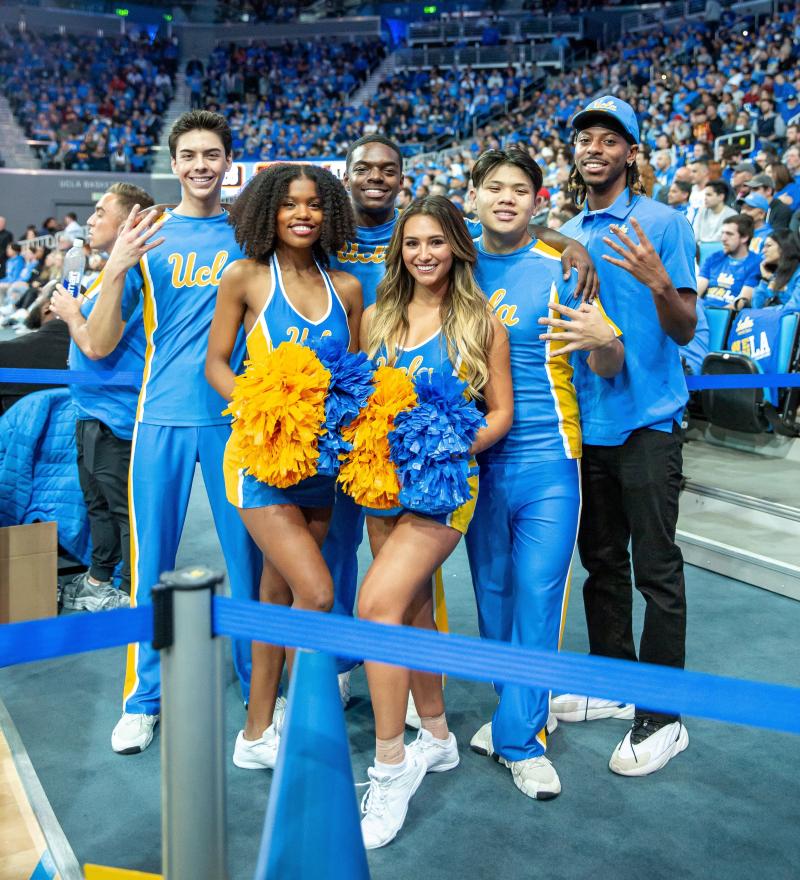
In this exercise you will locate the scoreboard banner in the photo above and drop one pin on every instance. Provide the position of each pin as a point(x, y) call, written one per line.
point(242, 172)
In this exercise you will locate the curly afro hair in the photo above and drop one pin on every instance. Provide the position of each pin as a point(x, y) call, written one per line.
point(254, 214)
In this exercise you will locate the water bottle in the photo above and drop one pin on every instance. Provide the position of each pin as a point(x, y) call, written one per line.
point(74, 264)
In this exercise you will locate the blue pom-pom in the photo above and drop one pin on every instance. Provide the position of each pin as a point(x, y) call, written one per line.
point(430, 445)
point(349, 389)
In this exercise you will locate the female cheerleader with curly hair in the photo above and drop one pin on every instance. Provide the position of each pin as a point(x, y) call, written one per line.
point(429, 315)
point(289, 220)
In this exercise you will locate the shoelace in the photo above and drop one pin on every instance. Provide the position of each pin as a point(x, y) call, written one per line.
point(374, 800)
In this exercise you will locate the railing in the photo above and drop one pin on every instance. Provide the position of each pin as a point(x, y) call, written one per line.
point(673, 13)
point(471, 29)
point(480, 56)
point(50, 241)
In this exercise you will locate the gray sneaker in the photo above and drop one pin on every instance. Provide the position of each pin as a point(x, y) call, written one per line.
point(81, 595)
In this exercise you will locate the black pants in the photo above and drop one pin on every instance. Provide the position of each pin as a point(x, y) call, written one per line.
point(630, 495)
point(103, 462)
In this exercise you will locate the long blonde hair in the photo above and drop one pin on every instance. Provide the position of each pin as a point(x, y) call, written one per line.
point(465, 312)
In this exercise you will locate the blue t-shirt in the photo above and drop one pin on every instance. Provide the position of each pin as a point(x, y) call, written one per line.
point(519, 286)
point(650, 390)
point(694, 352)
point(727, 276)
point(365, 257)
point(113, 405)
point(757, 241)
point(180, 279)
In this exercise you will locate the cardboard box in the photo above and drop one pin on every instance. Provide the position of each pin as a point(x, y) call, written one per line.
point(28, 572)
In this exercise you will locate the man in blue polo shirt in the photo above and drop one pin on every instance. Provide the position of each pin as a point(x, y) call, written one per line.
point(732, 273)
point(631, 467)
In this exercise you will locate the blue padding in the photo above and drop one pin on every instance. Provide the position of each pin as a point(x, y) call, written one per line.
point(744, 380)
point(657, 687)
point(68, 377)
point(73, 634)
point(707, 248)
point(718, 322)
point(786, 341)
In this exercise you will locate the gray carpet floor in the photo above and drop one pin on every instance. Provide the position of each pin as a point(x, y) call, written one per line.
point(728, 807)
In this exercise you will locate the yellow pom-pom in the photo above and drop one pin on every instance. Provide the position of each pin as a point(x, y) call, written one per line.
point(278, 409)
point(368, 473)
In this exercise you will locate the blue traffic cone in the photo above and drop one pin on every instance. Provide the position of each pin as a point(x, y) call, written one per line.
point(313, 828)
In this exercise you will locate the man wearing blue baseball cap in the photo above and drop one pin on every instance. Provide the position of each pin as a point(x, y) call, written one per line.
point(631, 467)
point(757, 206)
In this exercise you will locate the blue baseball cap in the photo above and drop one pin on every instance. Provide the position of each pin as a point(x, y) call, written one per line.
point(602, 111)
point(756, 200)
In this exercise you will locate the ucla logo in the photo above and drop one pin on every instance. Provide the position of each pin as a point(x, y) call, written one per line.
point(188, 276)
point(603, 105)
point(506, 313)
point(351, 254)
point(744, 324)
point(412, 369)
point(725, 279)
point(747, 346)
point(623, 229)
point(295, 334)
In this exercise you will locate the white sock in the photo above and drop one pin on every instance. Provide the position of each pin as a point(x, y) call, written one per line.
point(391, 769)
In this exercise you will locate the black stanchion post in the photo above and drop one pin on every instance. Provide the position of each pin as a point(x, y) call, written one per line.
point(192, 727)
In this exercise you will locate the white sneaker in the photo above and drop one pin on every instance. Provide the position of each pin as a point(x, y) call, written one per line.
point(412, 716)
point(535, 777)
point(574, 707)
point(647, 747)
point(133, 733)
point(344, 688)
point(481, 742)
point(385, 804)
point(438, 755)
point(279, 714)
point(257, 754)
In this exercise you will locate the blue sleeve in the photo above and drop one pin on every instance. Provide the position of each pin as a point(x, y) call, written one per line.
point(566, 289)
point(677, 252)
point(131, 292)
point(707, 269)
point(753, 277)
point(760, 295)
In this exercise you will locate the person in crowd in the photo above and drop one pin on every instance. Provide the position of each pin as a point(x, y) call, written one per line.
point(530, 480)
point(289, 222)
point(72, 229)
point(678, 197)
point(780, 214)
point(780, 270)
point(631, 465)
point(728, 277)
point(6, 238)
point(786, 188)
point(179, 417)
point(707, 222)
point(106, 415)
point(45, 348)
point(700, 176)
point(756, 206)
point(430, 315)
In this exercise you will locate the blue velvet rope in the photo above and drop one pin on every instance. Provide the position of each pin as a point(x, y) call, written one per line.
point(743, 380)
point(657, 687)
point(73, 634)
point(68, 377)
point(738, 701)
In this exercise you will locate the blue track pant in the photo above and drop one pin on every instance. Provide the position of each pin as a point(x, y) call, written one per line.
point(520, 544)
point(163, 463)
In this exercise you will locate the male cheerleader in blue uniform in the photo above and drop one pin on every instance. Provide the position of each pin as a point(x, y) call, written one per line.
point(106, 415)
point(179, 417)
point(521, 539)
point(631, 467)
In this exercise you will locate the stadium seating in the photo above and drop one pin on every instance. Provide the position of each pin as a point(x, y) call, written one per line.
point(81, 101)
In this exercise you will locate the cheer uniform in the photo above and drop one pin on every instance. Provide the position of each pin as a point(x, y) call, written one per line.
point(365, 259)
point(103, 432)
point(179, 422)
point(279, 321)
point(523, 534)
point(432, 357)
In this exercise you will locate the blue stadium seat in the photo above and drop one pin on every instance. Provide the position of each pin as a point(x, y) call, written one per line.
point(707, 248)
point(773, 344)
point(719, 323)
